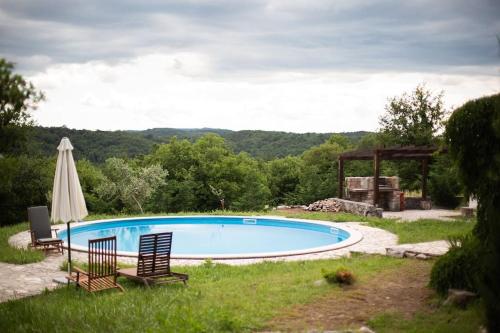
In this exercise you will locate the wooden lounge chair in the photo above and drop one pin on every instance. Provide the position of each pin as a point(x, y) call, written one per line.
point(101, 273)
point(153, 262)
point(41, 231)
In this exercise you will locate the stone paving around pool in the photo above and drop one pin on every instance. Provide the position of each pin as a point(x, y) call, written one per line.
point(25, 280)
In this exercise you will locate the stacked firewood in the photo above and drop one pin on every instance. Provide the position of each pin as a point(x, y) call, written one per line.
point(326, 205)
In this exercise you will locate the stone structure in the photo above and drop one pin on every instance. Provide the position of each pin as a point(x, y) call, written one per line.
point(361, 189)
point(341, 205)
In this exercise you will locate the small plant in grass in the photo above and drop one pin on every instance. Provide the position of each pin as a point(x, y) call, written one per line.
point(341, 275)
point(208, 263)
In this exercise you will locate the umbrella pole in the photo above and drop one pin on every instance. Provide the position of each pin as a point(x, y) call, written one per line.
point(69, 248)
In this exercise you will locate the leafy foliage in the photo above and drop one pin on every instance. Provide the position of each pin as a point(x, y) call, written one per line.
point(24, 182)
point(132, 186)
point(413, 119)
point(444, 183)
point(473, 137)
point(318, 178)
point(284, 178)
point(458, 268)
point(91, 177)
point(196, 167)
point(17, 98)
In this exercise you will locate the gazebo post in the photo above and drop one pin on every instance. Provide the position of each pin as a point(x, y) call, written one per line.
point(341, 177)
point(376, 166)
point(425, 171)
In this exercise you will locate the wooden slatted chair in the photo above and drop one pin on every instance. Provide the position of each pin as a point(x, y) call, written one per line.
point(153, 262)
point(102, 272)
point(41, 231)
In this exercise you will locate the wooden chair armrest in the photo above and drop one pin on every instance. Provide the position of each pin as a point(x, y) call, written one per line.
point(79, 270)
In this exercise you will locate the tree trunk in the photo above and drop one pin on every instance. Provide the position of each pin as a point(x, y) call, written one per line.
point(138, 204)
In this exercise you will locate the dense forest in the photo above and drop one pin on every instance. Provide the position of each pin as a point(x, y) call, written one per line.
point(97, 146)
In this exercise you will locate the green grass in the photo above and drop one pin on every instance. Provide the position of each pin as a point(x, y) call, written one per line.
point(423, 230)
point(445, 319)
point(13, 255)
point(219, 298)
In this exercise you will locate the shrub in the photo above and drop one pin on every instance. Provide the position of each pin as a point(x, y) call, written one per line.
point(341, 275)
point(457, 268)
point(473, 137)
point(444, 184)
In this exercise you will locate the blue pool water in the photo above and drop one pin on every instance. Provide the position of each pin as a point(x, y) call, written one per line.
point(214, 235)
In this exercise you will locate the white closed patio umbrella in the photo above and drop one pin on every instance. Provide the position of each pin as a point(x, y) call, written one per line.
point(68, 203)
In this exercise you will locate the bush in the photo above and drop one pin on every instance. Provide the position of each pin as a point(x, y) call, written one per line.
point(473, 137)
point(444, 184)
point(457, 268)
point(341, 275)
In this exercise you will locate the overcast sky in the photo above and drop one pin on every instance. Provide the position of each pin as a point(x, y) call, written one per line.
point(299, 66)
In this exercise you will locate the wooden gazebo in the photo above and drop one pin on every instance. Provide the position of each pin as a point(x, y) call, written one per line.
point(418, 153)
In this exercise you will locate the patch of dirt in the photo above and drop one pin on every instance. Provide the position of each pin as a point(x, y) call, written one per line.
point(403, 290)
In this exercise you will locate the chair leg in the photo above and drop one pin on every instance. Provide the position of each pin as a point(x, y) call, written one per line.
point(77, 282)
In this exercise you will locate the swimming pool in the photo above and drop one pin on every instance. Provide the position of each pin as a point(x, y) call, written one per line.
point(219, 237)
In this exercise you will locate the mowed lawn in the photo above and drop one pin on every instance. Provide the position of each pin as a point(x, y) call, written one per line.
point(222, 298)
point(218, 298)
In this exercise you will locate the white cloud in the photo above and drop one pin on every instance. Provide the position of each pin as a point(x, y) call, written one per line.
point(184, 90)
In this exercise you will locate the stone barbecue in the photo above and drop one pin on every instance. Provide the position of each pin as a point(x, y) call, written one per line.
point(361, 189)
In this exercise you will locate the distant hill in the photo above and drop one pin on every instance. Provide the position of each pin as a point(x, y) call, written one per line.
point(97, 146)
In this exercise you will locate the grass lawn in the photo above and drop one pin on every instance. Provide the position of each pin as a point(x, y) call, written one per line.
point(219, 298)
point(16, 256)
point(446, 319)
point(424, 230)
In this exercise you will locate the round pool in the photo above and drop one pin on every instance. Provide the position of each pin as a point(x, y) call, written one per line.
point(219, 237)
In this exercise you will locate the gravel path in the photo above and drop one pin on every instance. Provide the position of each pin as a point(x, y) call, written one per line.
point(416, 214)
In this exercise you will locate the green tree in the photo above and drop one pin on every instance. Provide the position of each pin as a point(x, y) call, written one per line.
point(473, 138)
point(18, 98)
point(284, 178)
point(91, 177)
point(413, 119)
point(179, 192)
point(196, 167)
point(318, 179)
point(24, 182)
point(132, 186)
